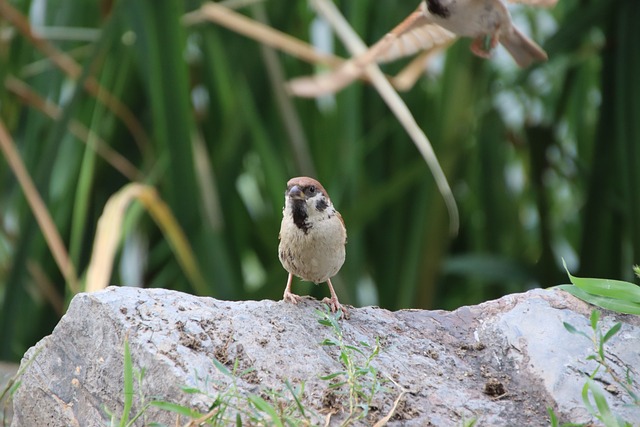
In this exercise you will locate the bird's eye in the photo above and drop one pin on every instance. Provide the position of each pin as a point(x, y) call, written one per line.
point(311, 190)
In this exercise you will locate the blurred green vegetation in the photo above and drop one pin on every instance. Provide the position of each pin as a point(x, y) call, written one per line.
point(543, 162)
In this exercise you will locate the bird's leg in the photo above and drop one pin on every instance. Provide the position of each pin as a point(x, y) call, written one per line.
point(333, 302)
point(479, 46)
point(288, 295)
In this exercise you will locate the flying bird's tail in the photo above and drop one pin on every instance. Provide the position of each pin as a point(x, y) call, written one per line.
point(523, 50)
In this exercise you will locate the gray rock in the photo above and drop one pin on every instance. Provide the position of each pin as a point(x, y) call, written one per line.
point(503, 362)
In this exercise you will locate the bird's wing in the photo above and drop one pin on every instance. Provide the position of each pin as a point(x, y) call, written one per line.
point(542, 3)
point(400, 41)
point(423, 37)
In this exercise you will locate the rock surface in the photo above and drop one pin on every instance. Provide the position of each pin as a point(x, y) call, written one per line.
point(501, 363)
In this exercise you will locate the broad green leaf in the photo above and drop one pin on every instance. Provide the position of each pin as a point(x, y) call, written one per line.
point(620, 306)
point(616, 289)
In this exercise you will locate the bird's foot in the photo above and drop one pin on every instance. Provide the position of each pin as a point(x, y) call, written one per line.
point(335, 305)
point(291, 297)
point(483, 46)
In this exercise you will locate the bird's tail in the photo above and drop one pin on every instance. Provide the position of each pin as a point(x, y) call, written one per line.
point(523, 50)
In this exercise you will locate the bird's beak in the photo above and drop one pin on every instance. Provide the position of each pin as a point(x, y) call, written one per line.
point(296, 193)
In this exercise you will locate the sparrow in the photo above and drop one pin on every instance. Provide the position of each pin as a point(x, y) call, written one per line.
point(433, 24)
point(479, 19)
point(312, 238)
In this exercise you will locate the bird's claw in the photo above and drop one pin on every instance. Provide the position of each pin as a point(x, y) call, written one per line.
point(291, 297)
point(482, 47)
point(335, 305)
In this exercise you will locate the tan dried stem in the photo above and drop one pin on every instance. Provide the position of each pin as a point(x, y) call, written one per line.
point(213, 12)
point(72, 69)
point(395, 104)
point(266, 35)
point(77, 128)
point(39, 209)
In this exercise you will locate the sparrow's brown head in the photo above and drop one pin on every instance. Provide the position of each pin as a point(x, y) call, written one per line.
point(304, 188)
point(306, 199)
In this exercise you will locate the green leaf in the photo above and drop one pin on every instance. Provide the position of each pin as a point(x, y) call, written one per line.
point(595, 316)
point(331, 376)
point(553, 419)
point(616, 289)
point(178, 409)
point(337, 385)
point(604, 412)
point(611, 332)
point(353, 348)
point(572, 329)
point(128, 384)
point(220, 367)
point(265, 407)
point(620, 306)
point(247, 371)
point(287, 384)
point(344, 358)
point(364, 371)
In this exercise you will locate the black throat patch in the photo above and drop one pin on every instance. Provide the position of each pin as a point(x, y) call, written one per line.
point(300, 215)
point(438, 9)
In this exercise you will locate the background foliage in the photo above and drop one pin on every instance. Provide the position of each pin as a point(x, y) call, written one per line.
point(543, 162)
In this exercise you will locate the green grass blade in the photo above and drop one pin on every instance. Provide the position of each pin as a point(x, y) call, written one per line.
point(265, 407)
point(287, 384)
point(220, 367)
point(604, 411)
point(553, 419)
point(128, 384)
point(178, 409)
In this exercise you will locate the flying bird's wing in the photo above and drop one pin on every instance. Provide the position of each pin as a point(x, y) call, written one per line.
point(542, 3)
point(410, 36)
point(419, 38)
